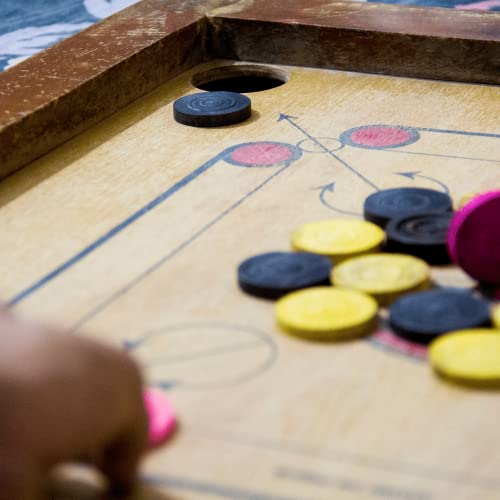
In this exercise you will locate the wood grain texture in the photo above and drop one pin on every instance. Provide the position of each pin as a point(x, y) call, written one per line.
point(55, 95)
point(262, 415)
point(439, 44)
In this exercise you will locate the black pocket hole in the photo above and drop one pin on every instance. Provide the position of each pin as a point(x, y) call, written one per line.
point(241, 78)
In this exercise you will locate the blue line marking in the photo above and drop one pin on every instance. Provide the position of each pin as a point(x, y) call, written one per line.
point(334, 455)
point(135, 281)
point(115, 230)
point(289, 119)
point(225, 155)
point(440, 155)
point(458, 132)
point(214, 489)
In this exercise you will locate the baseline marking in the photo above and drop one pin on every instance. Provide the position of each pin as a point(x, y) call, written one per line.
point(113, 232)
point(99, 242)
point(142, 276)
point(220, 490)
point(458, 132)
point(335, 455)
point(453, 157)
point(389, 138)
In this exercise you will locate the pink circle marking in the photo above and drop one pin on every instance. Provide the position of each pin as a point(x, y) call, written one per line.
point(380, 137)
point(474, 238)
point(261, 154)
point(161, 416)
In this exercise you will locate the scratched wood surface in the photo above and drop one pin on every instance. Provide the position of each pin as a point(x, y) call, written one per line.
point(262, 415)
point(66, 89)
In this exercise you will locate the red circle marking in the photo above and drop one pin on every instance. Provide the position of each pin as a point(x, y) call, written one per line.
point(261, 154)
point(391, 341)
point(380, 137)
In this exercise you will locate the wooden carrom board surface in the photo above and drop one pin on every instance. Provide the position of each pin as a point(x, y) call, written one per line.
point(132, 232)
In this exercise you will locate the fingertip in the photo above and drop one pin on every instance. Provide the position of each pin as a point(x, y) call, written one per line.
point(122, 459)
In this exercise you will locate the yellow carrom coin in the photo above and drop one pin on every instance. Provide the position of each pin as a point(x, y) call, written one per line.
point(468, 356)
point(384, 276)
point(338, 238)
point(495, 316)
point(465, 199)
point(326, 313)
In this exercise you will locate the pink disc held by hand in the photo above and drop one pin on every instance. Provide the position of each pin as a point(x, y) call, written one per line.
point(161, 416)
point(474, 238)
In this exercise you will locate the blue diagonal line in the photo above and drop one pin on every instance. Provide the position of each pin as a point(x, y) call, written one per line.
point(333, 155)
point(135, 281)
point(115, 230)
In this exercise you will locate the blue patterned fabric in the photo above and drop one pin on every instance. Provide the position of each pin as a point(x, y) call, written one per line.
point(28, 26)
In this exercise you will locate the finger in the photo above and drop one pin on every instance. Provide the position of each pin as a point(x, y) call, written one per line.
point(19, 480)
point(120, 461)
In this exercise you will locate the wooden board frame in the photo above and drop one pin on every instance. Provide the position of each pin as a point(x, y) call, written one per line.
point(64, 90)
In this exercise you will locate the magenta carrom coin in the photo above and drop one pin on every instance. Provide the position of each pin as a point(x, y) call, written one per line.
point(474, 238)
point(161, 415)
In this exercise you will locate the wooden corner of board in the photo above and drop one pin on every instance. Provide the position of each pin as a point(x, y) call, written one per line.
point(58, 93)
point(69, 87)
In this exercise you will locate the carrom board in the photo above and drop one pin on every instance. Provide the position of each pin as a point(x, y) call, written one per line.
point(129, 227)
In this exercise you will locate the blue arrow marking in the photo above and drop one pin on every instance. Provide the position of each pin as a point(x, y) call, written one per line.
point(290, 119)
point(330, 188)
point(166, 385)
point(413, 175)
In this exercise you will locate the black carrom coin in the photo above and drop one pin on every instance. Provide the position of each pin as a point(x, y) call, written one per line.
point(423, 316)
point(212, 109)
point(272, 275)
point(382, 206)
point(423, 236)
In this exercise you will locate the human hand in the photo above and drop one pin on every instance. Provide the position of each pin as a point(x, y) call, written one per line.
point(65, 398)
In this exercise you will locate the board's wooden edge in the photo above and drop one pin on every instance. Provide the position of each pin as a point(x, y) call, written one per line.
point(386, 18)
point(64, 90)
point(441, 44)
